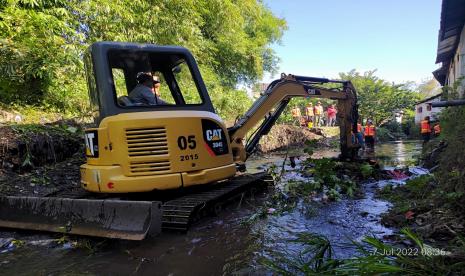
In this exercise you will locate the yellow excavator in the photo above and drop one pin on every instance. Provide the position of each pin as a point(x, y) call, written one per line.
point(175, 143)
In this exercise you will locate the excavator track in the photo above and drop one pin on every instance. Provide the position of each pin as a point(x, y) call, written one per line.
point(179, 213)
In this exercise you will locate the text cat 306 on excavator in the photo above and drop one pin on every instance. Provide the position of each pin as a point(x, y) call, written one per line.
point(136, 147)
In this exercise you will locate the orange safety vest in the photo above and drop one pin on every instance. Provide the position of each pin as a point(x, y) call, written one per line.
point(425, 127)
point(437, 129)
point(295, 112)
point(309, 110)
point(359, 128)
point(370, 131)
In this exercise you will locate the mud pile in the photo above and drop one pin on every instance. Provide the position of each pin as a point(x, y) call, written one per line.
point(282, 136)
point(39, 159)
point(24, 147)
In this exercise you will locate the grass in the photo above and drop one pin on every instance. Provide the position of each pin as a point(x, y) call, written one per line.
point(414, 196)
point(330, 131)
point(31, 114)
point(374, 257)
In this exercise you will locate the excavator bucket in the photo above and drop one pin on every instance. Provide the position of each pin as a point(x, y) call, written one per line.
point(129, 220)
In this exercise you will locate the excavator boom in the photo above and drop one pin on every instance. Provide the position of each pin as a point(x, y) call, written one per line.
point(276, 97)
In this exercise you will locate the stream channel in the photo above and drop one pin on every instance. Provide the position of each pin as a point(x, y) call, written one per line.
point(221, 245)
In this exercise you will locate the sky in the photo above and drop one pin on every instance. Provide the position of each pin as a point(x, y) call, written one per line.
point(325, 37)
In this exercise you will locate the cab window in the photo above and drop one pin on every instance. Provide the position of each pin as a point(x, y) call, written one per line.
point(172, 82)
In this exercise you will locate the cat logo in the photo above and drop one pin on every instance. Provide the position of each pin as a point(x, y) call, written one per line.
point(213, 134)
point(312, 91)
point(215, 139)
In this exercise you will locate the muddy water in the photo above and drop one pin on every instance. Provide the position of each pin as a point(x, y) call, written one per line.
point(216, 245)
point(398, 154)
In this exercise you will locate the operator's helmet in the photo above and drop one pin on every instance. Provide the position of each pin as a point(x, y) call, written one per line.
point(142, 77)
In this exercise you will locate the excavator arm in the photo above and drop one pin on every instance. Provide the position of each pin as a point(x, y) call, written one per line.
point(275, 99)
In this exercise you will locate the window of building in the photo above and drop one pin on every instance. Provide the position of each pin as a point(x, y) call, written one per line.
point(428, 107)
point(420, 109)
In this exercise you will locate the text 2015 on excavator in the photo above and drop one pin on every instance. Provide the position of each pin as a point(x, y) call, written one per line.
point(137, 148)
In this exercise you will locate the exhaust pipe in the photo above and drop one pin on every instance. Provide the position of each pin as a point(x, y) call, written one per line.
point(448, 103)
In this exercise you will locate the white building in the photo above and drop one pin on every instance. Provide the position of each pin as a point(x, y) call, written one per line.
point(451, 44)
point(424, 108)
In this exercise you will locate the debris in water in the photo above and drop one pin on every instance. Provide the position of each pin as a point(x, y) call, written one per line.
point(4, 242)
point(68, 245)
point(397, 174)
point(409, 215)
point(292, 160)
point(10, 247)
point(196, 240)
point(418, 171)
point(48, 242)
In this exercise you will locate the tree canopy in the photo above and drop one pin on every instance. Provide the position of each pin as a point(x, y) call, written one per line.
point(378, 99)
point(42, 41)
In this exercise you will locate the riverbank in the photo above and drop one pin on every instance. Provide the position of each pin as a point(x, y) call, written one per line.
point(433, 205)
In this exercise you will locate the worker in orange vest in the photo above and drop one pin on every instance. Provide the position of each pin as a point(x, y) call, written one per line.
point(296, 115)
point(370, 132)
point(318, 112)
point(425, 129)
point(359, 135)
point(309, 113)
point(437, 130)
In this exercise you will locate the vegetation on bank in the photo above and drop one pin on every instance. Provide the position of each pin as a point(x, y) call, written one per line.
point(374, 258)
point(445, 155)
point(27, 146)
point(42, 43)
point(432, 205)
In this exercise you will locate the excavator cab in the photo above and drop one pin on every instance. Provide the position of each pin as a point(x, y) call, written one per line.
point(138, 147)
point(112, 69)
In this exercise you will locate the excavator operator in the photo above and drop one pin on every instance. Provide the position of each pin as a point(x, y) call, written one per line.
point(146, 90)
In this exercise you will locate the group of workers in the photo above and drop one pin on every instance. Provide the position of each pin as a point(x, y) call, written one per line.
point(426, 130)
point(365, 136)
point(315, 116)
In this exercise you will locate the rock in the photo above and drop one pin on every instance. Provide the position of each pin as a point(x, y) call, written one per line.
point(48, 242)
point(364, 214)
point(271, 210)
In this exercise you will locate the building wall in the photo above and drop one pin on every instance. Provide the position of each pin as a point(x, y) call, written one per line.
point(457, 66)
point(433, 113)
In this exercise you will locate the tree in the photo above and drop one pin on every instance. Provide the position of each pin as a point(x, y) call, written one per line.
point(379, 99)
point(42, 41)
point(429, 87)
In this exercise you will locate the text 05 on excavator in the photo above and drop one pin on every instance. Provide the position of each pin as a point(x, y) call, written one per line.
point(176, 143)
